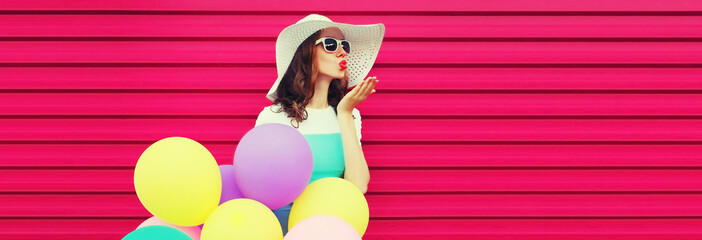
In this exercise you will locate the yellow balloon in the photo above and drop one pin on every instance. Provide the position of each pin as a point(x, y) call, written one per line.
point(242, 218)
point(334, 197)
point(178, 180)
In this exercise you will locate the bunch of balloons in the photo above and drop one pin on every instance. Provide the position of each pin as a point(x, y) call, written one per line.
point(191, 197)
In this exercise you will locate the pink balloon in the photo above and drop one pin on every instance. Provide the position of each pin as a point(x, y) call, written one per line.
point(322, 227)
point(193, 232)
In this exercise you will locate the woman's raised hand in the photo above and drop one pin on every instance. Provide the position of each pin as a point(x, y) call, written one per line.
point(357, 95)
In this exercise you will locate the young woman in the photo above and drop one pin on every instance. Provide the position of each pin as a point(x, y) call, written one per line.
point(317, 61)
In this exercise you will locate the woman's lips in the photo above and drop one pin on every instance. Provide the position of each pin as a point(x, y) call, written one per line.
point(342, 64)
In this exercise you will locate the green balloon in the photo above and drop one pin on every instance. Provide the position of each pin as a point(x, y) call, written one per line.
point(157, 232)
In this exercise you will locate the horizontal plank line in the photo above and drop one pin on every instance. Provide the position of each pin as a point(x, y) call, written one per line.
point(437, 194)
point(535, 218)
point(516, 117)
point(442, 193)
point(168, 116)
point(535, 168)
point(380, 65)
point(87, 168)
point(535, 193)
point(540, 91)
point(353, 13)
point(371, 142)
point(388, 39)
point(532, 142)
point(140, 39)
point(386, 218)
point(403, 168)
point(71, 91)
point(71, 218)
point(104, 142)
point(384, 91)
point(69, 193)
point(131, 65)
point(375, 117)
point(64, 167)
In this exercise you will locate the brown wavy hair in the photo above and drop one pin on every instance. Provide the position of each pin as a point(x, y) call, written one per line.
point(296, 88)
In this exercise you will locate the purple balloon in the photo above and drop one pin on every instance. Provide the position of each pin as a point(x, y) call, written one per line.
point(230, 190)
point(273, 164)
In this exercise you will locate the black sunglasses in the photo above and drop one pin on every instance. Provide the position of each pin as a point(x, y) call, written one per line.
point(331, 44)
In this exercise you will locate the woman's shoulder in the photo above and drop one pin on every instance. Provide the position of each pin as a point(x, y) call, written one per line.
point(272, 114)
point(272, 108)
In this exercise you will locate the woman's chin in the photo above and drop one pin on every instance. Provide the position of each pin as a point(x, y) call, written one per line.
point(339, 76)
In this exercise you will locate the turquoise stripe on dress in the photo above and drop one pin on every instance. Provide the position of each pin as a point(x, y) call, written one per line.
point(328, 155)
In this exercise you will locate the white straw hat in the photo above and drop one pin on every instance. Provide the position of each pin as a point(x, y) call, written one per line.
point(365, 43)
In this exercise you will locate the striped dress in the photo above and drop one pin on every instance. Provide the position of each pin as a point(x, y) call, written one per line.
point(322, 131)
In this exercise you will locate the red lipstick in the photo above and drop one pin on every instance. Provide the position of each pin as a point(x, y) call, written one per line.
point(342, 64)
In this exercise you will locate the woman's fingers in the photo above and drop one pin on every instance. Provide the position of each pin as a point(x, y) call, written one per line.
point(357, 89)
point(365, 83)
point(370, 87)
point(362, 90)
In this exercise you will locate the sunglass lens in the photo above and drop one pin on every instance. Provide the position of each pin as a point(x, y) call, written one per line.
point(346, 46)
point(330, 44)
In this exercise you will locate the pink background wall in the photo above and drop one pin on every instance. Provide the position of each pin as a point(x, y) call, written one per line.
point(519, 119)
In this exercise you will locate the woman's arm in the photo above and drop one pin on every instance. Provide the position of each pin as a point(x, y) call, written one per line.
point(356, 166)
point(356, 170)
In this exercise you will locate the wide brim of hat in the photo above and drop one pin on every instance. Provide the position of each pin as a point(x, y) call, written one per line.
point(365, 41)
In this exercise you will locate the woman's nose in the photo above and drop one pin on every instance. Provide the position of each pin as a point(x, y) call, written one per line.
point(342, 53)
